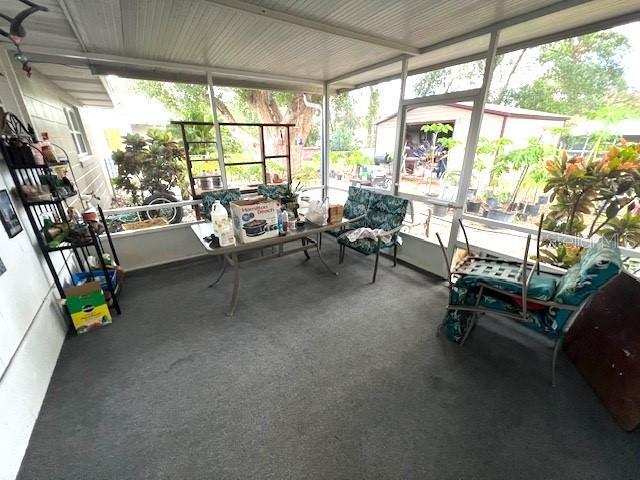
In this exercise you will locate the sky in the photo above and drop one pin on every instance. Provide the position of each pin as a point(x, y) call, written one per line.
point(632, 67)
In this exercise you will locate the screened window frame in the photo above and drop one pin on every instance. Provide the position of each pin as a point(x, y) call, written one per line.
point(76, 129)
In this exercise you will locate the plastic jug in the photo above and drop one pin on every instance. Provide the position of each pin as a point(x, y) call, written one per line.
point(219, 218)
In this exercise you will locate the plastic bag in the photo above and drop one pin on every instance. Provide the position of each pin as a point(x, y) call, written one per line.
point(318, 212)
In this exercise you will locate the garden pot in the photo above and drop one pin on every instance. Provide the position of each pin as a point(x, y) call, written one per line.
point(473, 207)
point(532, 209)
point(493, 202)
point(500, 215)
point(439, 210)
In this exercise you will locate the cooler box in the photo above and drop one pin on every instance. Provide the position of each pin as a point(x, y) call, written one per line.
point(80, 278)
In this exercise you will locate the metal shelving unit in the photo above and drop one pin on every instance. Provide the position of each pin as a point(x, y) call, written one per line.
point(24, 173)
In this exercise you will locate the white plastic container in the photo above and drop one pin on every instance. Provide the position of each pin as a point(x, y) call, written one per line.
point(227, 236)
point(219, 217)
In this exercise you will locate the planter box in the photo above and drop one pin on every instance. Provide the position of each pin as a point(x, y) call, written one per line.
point(532, 209)
point(500, 215)
point(473, 207)
point(439, 210)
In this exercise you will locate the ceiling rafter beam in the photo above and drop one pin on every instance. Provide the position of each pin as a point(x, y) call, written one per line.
point(310, 24)
point(172, 66)
point(512, 47)
point(509, 22)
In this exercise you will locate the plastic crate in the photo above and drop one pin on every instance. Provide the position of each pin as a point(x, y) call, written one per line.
point(80, 278)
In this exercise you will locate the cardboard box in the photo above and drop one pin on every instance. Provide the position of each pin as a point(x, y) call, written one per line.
point(254, 220)
point(336, 212)
point(87, 306)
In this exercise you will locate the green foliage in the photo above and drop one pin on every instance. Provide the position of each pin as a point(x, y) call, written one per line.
point(561, 255)
point(344, 123)
point(372, 114)
point(308, 173)
point(491, 148)
point(582, 75)
point(457, 77)
point(437, 128)
point(187, 101)
point(149, 165)
point(599, 191)
point(519, 158)
point(357, 158)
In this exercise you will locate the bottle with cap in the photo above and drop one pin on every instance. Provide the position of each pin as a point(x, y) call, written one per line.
point(47, 150)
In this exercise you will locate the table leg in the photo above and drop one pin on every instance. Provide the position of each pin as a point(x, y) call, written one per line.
point(322, 259)
point(306, 253)
point(224, 268)
point(236, 284)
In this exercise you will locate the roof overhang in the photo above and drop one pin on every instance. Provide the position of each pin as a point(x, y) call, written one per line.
point(279, 44)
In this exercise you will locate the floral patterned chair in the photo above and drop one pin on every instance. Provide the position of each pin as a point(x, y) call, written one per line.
point(384, 212)
point(543, 302)
point(274, 192)
point(225, 197)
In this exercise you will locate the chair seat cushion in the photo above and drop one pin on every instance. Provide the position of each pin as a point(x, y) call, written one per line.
point(366, 246)
point(339, 231)
point(541, 287)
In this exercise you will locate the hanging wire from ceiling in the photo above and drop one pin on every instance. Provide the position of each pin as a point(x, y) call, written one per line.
point(17, 32)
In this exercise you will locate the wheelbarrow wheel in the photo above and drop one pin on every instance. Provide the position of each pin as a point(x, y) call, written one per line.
point(170, 214)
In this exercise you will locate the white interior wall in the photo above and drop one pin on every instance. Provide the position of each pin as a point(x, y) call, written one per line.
point(32, 328)
point(156, 246)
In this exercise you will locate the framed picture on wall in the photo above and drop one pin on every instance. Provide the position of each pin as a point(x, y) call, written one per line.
point(8, 215)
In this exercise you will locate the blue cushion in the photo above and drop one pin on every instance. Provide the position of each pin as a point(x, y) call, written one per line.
point(601, 263)
point(541, 287)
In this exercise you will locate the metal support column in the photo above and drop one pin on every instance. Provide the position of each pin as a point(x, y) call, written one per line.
point(216, 126)
point(400, 129)
point(324, 149)
point(472, 143)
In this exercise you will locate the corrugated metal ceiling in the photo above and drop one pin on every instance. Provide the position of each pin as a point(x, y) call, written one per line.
point(242, 42)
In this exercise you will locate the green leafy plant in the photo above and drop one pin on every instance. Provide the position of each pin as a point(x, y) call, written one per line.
point(154, 164)
point(519, 160)
point(593, 196)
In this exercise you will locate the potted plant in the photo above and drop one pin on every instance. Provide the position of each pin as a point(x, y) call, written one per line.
point(474, 204)
point(150, 170)
point(498, 203)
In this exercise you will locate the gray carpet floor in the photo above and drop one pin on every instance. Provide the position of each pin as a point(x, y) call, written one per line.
point(316, 377)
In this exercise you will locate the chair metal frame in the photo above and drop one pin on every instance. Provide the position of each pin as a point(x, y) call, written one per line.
point(525, 278)
point(392, 232)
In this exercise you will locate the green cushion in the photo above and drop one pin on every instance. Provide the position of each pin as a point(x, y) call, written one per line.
point(542, 287)
point(366, 246)
point(273, 192)
point(601, 263)
point(225, 197)
point(357, 204)
point(386, 211)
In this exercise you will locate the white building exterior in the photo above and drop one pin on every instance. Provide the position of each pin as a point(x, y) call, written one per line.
point(516, 124)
